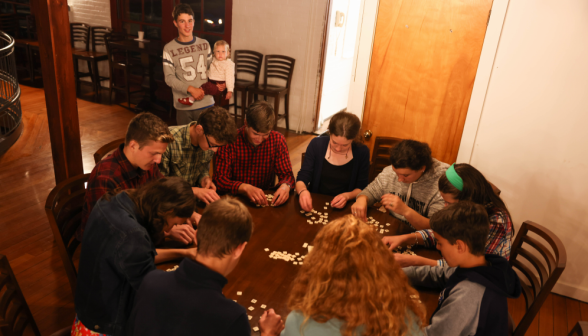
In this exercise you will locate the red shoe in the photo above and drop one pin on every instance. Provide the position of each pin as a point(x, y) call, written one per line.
point(186, 101)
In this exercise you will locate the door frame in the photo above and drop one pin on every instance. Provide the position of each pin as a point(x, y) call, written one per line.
point(483, 73)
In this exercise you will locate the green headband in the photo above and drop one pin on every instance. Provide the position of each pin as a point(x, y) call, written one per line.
point(453, 178)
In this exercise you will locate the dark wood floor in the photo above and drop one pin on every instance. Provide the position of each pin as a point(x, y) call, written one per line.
point(26, 178)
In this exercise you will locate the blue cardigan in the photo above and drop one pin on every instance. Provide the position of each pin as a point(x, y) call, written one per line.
point(310, 173)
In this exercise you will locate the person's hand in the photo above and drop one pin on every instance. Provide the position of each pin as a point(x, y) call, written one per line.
point(221, 87)
point(281, 195)
point(405, 260)
point(254, 194)
point(194, 219)
point(184, 233)
point(339, 201)
point(270, 323)
point(359, 208)
point(394, 203)
point(205, 195)
point(228, 95)
point(305, 200)
point(394, 241)
point(206, 183)
point(197, 93)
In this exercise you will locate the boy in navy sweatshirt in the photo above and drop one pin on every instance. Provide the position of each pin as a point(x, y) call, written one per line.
point(474, 286)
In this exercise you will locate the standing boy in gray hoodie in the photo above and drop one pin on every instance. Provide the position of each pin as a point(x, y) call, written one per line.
point(475, 286)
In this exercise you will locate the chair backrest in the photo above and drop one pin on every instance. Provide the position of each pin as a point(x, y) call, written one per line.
point(64, 211)
point(15, 315)
point(381, 155)
point(115, 54)
point(248, 61)
point(80, 32)
point(99, 36)
point(580, 329)
point(31, 27)
point(538, 267)
point(109, 147)
point(8, 24)
point(277, 66)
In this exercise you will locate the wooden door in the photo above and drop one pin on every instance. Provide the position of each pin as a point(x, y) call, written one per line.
point(424, 62)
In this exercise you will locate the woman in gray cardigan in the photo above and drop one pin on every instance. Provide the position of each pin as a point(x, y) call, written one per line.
point(337, 165)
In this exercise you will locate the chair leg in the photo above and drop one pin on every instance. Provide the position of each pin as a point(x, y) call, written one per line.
point(276, 109)
point(95, 80)
point(287, 110)
point(128, 88)
point(76, 75)
point(243, 105)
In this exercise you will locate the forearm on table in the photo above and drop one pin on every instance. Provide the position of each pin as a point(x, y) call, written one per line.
point(300, 186)
point(165, 255)
point(352, 194)
point(416, 220)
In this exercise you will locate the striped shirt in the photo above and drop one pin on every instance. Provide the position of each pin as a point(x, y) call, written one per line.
point(499, 238)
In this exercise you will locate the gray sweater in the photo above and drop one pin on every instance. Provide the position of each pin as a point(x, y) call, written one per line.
point(184, 65)
point(424, 197)
point(473, 301)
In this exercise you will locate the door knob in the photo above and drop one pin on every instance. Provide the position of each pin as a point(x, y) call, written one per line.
point(368, 134)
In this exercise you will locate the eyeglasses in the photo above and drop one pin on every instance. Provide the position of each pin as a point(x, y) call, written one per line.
point(209, 145)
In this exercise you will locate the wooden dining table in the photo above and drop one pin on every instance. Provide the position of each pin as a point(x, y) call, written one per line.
point(285, 229)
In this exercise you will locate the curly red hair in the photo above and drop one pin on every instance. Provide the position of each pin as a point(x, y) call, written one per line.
point(352, 276)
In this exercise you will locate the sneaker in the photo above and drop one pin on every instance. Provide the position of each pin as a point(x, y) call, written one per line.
point(186, 101)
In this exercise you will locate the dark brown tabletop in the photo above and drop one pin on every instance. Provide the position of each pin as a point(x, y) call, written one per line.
point(153, 47)
point(284, 228)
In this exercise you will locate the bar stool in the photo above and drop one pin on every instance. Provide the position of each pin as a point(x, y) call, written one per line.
point(246, 62)
point(119, 62)
point(276, 67)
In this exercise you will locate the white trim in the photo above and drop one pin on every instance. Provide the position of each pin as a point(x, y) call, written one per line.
point(363, 59)
point(571, 291)
point(482, 81)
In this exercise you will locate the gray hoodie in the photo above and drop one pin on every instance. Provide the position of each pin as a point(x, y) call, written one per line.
point(424, 195)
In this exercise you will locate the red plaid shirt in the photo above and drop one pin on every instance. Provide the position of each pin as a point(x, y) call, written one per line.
point(113, 173)
point(242, 162)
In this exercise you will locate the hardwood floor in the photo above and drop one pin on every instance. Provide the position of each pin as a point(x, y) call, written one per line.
point(26, 178)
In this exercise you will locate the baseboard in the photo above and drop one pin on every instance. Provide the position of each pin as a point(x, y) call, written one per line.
point(565, 289)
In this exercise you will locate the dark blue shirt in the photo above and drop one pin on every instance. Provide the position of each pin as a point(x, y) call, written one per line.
point(117, 253)
point(188, 301)
point(310, 172)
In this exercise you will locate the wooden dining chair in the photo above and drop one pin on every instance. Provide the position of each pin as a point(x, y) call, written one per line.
point(280, 68)
point(64, 212)
point(580, 329)
point(538, 268)
point(247, 63)
point(90, 36)
point(109, 147)
point(80, 34)
point(120, 64)
point(15, 315)
point(381, 155)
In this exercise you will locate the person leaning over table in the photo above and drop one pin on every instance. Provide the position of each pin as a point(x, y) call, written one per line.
point(118, 251)
point(132, 165)
point(407, 188)
point(190, 154)
point(189, 300)
point(337, 165)
point(250, 165)
point(347, 287)
point(462, 182)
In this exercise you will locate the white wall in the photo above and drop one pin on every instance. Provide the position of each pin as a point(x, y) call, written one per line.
point(287, 27)
point(531, 139)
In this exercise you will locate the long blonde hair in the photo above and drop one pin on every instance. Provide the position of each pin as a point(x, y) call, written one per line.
point(351, 275)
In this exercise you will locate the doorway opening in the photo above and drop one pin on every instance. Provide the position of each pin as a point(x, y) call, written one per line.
point(339, 59)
